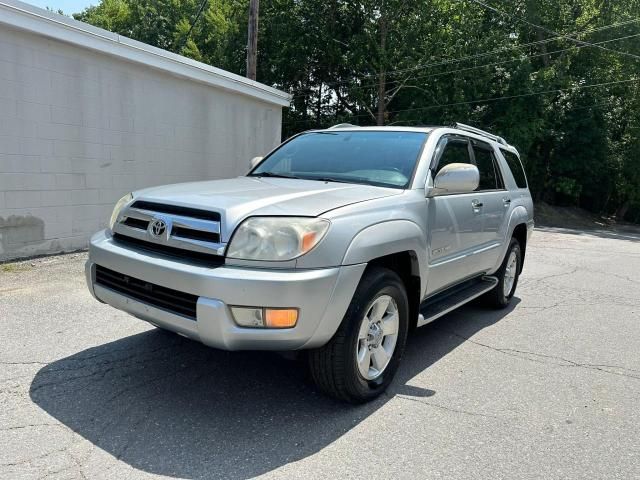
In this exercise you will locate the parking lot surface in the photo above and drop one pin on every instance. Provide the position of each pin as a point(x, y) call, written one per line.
point(548, 388)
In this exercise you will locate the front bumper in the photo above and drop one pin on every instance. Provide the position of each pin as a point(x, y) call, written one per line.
point(321, 295)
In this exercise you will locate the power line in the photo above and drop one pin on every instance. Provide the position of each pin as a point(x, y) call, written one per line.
point(547, 30)
point(524, 57)
point(513, 47)
point(481, 55)
point(494, 99)
point(193, 24)
point(511, 97)
point(475, 67)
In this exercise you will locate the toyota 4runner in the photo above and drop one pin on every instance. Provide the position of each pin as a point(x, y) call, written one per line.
point(337, 243)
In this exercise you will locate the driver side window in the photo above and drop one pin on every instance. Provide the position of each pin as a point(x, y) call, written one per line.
point(456, 150)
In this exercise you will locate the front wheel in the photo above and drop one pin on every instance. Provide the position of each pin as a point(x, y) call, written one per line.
point(361, 359)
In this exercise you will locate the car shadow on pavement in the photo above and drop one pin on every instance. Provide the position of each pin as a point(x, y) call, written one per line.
point(170, 406)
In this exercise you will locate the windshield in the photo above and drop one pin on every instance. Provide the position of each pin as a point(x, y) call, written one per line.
point(369, 157)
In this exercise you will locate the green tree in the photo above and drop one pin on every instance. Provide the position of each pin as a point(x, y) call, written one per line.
point(566, 94)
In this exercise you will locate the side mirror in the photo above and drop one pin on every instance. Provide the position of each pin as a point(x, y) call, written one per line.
point(255, 161)
point(455, 178)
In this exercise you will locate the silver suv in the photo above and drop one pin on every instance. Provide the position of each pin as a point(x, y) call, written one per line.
point(338, 243)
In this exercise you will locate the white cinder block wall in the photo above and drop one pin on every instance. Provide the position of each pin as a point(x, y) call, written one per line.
point(85, 119)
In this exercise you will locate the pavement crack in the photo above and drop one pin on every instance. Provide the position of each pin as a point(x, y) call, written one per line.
point(25, 363)
point(535, 281)
point(100, 372)
point(550, 359)
point(449, 409)
point(85, 358)
point(27, 461)
point(32, 425)
point(582, 250)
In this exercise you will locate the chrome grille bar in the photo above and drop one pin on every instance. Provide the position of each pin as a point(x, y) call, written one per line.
point(200, 233)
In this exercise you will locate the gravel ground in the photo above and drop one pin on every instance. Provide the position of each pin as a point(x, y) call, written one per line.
point(548, 388)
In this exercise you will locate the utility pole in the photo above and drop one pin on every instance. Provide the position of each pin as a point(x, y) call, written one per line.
point(252, 43)
point(382, 75)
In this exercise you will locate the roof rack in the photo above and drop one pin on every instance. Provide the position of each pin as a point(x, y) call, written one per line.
point(343, 125)
point(468, 128)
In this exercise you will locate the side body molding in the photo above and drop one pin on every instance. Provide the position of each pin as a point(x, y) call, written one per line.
point(387, 238)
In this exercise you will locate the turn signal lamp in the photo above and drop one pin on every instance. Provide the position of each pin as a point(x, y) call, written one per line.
point(259, 317)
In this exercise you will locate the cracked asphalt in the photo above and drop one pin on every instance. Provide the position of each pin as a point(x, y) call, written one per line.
point(548, 388)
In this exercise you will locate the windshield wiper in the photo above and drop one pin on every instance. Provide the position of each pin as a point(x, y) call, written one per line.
point(284, 175)
point(328, 179)
point(274, 175)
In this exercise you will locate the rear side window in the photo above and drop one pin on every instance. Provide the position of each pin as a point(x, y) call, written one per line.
point(485, 161)
point(516, 168)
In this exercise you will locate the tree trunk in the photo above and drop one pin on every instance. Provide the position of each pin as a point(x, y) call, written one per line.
point(543, 49)
point(623, 210)
point(252, 42)
point(534, 17)
point(382, 77)
point(319, 106)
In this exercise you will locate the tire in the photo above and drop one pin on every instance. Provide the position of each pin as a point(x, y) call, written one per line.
point(336, 368)
point(498, 297)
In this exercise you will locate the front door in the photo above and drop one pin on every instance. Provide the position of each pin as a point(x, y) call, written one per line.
point(455, 223)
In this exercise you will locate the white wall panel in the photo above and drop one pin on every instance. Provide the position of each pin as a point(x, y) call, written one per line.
point(78, 129)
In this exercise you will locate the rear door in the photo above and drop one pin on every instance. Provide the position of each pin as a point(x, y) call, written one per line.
point(495, 202)
point(455, 226)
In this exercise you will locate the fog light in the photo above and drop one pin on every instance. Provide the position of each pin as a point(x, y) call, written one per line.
point(248, 317)
point(257, 317)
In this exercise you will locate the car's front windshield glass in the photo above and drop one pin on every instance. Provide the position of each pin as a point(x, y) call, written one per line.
point(382, 158)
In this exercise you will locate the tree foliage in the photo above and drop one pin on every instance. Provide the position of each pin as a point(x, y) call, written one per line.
point(563, 94)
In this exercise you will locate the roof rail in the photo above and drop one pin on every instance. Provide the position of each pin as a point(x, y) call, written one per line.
point(342, 125)
point(468, 128)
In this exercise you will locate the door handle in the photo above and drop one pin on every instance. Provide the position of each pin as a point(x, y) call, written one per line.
point(506, 201)
point(476, 204)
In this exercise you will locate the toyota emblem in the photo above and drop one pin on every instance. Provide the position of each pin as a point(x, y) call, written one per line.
point(158, 227)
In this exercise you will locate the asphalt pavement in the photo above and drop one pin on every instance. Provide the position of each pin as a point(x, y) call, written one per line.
point(548, 388)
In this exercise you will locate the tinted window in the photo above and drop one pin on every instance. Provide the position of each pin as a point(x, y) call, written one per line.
point(369, 157)
point(516, 168)
point(455, 151)
point(485, 161)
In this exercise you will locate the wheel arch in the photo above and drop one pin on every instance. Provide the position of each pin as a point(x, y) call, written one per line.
point(516, 227)
point(405, 265)
point(520, 234)
point(400, 246)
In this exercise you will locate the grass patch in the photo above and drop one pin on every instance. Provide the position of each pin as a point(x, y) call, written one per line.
point(13, 267)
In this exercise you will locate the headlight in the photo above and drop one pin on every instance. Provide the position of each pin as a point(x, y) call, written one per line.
point(118, 208)
point(276, 238)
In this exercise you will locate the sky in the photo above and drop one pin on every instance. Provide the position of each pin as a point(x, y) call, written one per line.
point(67, 6)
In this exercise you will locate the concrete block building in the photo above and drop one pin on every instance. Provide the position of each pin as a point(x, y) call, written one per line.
point(87, 115)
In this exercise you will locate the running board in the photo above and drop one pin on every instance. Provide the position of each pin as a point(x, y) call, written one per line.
point(449, 300)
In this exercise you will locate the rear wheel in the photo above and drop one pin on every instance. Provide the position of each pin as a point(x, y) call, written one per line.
point(508, 275)
point(361, 359)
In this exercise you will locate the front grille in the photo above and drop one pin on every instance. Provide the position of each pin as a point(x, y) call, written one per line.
point(136, 223)
point(181, 254)
point(177, 210)
point(173, 301)
point(191, 234)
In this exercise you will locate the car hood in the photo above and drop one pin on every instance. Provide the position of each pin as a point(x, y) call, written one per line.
point(238, 198)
